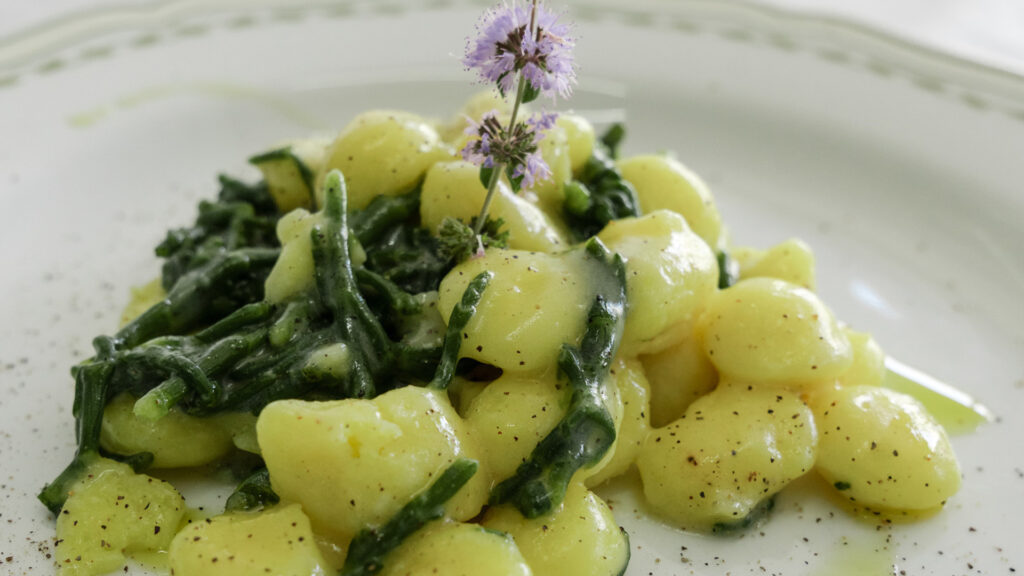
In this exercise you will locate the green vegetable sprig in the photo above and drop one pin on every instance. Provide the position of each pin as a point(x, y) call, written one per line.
point(460, 317)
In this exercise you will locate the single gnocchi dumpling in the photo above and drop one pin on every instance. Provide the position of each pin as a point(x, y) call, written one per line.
point(664, 183)
point(678, 376)
point(351, 463)
point(882, 449)
point(276, 541)
point(456, 549)
point(453, 189)
point(578, 538)
point(534, 304)
point(770, 331)
point(791, 261)
point(382, 153)
point(177, 440)
point(733, 449)
point(670, 274)
point(113, 512)
point(627, 377)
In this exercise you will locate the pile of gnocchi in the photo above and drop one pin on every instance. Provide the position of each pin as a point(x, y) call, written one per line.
point(721, 396)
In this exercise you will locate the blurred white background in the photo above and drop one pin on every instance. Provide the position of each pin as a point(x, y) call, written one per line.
point(988, 31)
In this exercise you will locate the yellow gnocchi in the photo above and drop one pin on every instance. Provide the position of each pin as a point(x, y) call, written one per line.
point(791, 261)
point(351, 463)
point(771, 331)
point(177, 440)
point(882, 449)
point(732, 449)
point(456, 549)
point(670, 274)
point(113, 513)
point(277, 541)
point(535, 303)
point(383, 153)
point(578, 538)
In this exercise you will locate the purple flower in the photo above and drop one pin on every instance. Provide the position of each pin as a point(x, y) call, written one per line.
point(535, 168)
point(507, 44)
point(479, 150)
point(516, 150)
point(542, 122)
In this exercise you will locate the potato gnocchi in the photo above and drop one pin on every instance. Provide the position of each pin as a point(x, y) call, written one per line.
point(571, 360)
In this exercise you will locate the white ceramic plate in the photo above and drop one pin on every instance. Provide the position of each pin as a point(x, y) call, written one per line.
point(901, 167)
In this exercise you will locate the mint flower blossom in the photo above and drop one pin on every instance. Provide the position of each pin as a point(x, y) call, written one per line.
point(512, 40)
point(516, 149)
point(525, 52)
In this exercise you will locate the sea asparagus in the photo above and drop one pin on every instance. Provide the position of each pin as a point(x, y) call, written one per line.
point(207, 351)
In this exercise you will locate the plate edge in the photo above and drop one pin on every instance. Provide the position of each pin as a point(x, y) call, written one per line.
point(39, 44)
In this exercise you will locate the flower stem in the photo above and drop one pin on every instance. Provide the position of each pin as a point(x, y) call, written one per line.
point(491, 186)
point(520, 90)
point(500, 167)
